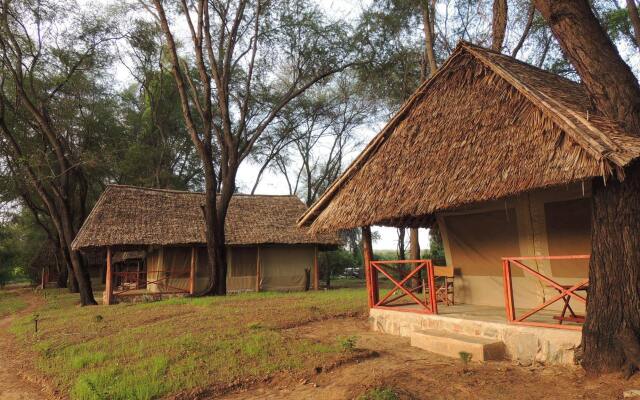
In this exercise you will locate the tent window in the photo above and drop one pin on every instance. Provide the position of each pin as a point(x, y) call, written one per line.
point(568, 233)
point(479, 241)
point(243, 261)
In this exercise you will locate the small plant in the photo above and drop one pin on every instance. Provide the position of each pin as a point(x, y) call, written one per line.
point(99, 318)
point(466, 359)
point(348, 343)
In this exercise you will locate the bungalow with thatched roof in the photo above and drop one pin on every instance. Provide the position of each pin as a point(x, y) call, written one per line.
point(501, 155)
point(155, 240)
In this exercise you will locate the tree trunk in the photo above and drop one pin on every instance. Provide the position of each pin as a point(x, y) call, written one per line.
point(429, 57)
point(414, 244)
point(62, 267)
point(613, 307)
point(608, 79)
point(211, 226)
point(614, 273)
point(632, 8)
point(527, 28)
point(401, 249)
point(499, 24)
point(72, 282)
point(327, 277)
point(414, 253)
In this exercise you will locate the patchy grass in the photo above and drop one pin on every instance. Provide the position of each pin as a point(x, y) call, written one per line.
point(10, 302)
point(144, 351)
point(380, 394)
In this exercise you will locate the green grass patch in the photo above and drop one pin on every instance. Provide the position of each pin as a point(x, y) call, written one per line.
point(150, 350)
point(379, 394)
point(10, 302)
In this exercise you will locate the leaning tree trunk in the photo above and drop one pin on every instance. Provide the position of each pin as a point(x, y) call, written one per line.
point(610, 333)
point(499, 24)
point(613, 309)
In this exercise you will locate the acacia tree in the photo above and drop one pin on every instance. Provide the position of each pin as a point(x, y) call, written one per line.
point(48, 55)
point(154, 149)
point(610, 333)
point(252, 58)
point(322, 128)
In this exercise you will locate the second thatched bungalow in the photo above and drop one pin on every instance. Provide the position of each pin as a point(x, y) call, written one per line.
point(154, 243)
point(502, 156)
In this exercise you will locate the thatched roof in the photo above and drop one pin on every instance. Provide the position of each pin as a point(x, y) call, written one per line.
point(46, 257)
point(484, 127)
point(134, 216)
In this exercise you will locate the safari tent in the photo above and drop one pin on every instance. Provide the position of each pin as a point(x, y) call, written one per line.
point(501, 155)
point(154, 242)
point(48, 263)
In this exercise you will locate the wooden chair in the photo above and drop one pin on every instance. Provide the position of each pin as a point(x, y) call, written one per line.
point(444, 284)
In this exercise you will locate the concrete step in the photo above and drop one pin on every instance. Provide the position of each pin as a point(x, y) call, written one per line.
point(451, 344)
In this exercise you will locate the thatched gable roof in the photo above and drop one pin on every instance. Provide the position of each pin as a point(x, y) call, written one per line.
point(485, 126)
point(134, 216)
point(46, 257)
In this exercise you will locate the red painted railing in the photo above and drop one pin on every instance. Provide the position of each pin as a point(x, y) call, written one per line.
point(565, 293)
point(135, 277)
point(422, 297)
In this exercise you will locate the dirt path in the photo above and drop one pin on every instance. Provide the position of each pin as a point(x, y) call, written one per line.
point(14, 385)
point(417, 374)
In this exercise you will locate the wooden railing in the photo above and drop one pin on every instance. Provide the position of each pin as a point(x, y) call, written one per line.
point(421, 296)
point(136, 278)
point(565, 293)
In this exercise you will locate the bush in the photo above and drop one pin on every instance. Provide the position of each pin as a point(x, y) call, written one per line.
point(336, 262)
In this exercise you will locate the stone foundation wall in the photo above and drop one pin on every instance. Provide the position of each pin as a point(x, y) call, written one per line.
point(523, 343)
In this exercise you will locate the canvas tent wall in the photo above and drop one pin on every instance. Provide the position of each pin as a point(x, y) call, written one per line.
point(280, 267)
point(541, 223)
point(270, 267)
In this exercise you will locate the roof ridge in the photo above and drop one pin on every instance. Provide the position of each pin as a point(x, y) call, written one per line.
point(591, 139)
point(152, 189)
point(464, 43)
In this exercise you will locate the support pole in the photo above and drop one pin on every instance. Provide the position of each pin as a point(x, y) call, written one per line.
point(192, 272)
point(367, 256)
point(108, 288)
point(258, 270)
point(316, 271)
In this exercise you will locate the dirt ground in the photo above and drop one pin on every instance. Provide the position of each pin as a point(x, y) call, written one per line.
point(386, 361)
point(17, 382)
point(417, 374)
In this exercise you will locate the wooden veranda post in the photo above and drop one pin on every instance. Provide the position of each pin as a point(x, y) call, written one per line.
point(370, 276)
point(316, 272)
point(258, 270)
point(108, 287)
point(192, 272)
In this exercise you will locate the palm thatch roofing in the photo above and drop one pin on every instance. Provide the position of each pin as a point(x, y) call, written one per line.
point(484, 127)
point(46, 257)
point(134, 216)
